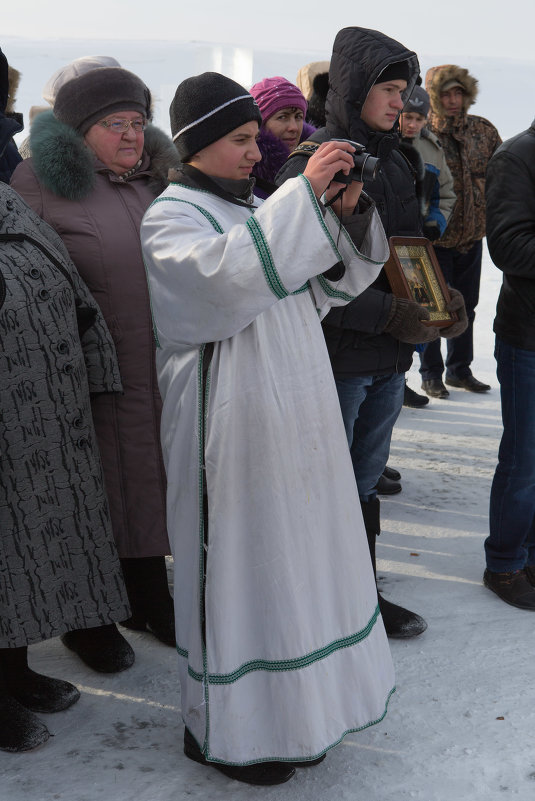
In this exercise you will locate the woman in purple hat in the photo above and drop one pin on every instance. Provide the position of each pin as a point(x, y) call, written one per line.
point(283, 108)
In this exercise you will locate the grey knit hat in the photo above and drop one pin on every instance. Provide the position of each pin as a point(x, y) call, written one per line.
point(83, 101)
point(418, 102)
point(207, 107)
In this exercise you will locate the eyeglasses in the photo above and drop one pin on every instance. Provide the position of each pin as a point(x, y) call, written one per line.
point(119, 125)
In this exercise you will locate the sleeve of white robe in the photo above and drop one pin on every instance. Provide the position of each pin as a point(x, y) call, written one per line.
point(373, 252)
point(207, 285)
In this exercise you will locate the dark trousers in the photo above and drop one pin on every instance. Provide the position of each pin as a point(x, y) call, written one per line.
point(463, 272)
point(511, 542)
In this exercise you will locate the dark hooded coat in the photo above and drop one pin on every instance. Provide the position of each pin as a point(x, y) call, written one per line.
point(9, 126)
point(511, 236)
point(98, 216)
point(354, 333)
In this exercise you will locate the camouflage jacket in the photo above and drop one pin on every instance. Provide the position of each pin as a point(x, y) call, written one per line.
point(468, 142)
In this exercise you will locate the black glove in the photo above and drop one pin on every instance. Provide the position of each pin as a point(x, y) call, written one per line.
point(456, 304)
point(405, 322)
point(432, 231)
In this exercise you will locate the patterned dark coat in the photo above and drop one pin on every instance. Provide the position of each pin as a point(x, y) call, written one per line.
point(98, 216)
point(468, 142)
point(59, 568)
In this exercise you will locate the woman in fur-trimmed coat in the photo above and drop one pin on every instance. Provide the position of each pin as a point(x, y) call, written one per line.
point(93, 173)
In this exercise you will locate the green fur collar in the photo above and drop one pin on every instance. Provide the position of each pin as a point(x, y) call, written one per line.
point(66, 167)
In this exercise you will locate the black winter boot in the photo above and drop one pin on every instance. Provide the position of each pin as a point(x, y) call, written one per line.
point(20, 730)
point(33, 690)
point(399, 622)
point(150, 601)
point(102, 648)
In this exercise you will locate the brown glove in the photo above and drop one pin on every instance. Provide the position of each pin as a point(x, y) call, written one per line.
point(406, 322)
point(456, 304)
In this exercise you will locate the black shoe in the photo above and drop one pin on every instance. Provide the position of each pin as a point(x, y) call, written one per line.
point(102, 648)
point(469, 382)
point(435, 388)
point(385, 486)
point(399, 622)
point(413, 400)
point(530, 574)
point(390, 472)
point(163, 627)
point(20, 730)
point(262, 773)
point(514, 588)
point(41, 693)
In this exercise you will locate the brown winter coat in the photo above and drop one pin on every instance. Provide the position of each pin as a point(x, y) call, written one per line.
point(101, 232)
point(468, 142)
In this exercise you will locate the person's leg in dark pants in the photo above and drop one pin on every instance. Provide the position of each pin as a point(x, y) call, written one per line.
point(150, 600)
point(466, 278)
point(370, 407)
point(510, 546)
point(511, 542)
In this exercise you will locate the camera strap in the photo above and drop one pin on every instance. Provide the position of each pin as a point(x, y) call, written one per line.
point(306, 148)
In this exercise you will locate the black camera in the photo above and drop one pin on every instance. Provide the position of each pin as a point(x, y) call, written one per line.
point(365, 168)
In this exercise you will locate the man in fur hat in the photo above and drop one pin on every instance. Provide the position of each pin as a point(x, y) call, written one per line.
point(468, 142)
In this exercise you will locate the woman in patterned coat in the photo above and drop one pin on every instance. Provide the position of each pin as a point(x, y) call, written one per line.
point(59, 568)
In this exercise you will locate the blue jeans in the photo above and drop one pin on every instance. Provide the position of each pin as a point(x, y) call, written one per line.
point(511, 543)
point(370, 407)
point(463, 272)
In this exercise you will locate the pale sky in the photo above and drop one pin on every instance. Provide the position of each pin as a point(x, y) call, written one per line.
point(480, 28)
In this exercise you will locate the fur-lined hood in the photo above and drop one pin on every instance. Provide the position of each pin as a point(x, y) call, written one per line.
point(435, 79)
point(66, 166)
point(307, 75)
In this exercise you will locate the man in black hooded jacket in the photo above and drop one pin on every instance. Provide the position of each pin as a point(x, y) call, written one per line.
point(371, 340)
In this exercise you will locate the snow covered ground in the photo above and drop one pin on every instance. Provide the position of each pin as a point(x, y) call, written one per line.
point(460, 726)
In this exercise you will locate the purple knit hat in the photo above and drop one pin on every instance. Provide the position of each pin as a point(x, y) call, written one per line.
point(272, 94)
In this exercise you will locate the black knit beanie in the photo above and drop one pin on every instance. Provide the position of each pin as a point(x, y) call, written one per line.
point(397, 71)
point(85, 100)
point(207, 107)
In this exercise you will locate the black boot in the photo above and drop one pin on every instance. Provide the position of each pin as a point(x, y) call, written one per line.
point(33, 690)
point(399, 622)
point(148, 593)
point(102, 648)
point(262, 773)
point(20, 730)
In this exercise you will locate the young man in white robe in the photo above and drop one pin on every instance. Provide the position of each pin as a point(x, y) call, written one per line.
point(282, 650)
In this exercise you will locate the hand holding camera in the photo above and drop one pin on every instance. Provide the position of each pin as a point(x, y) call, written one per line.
point(364, 166)
point(337, 167)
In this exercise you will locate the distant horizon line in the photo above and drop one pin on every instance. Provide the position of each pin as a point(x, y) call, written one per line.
point(240, 45)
